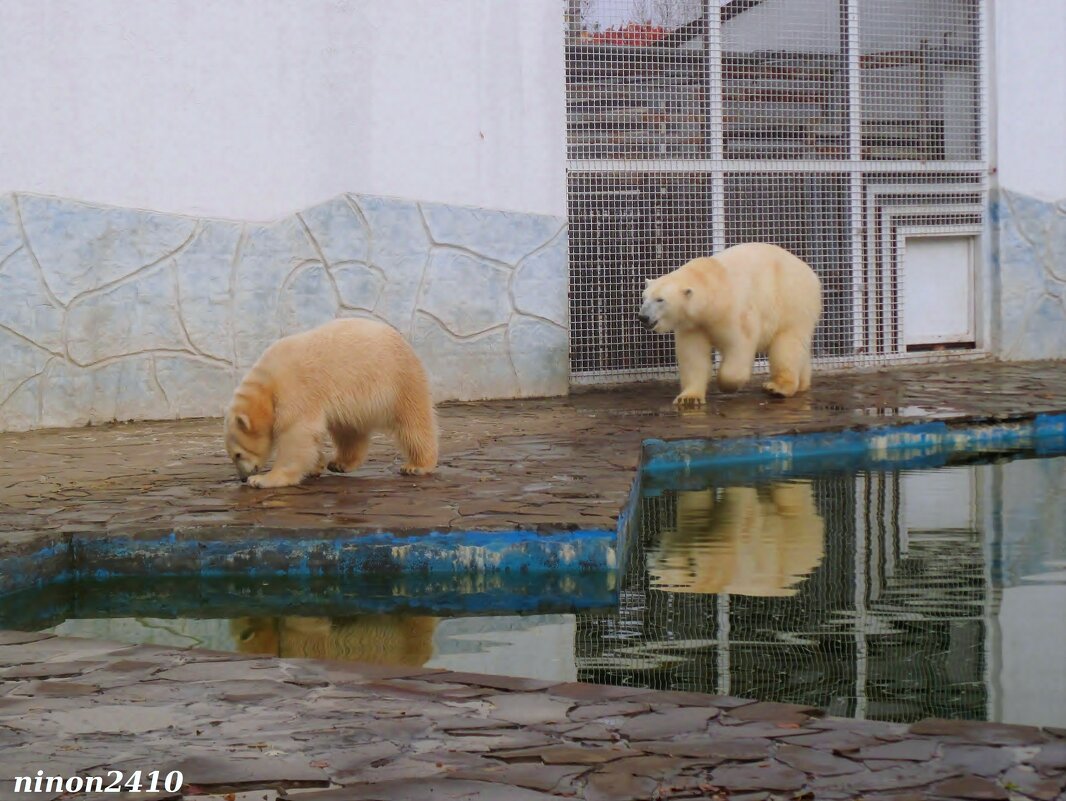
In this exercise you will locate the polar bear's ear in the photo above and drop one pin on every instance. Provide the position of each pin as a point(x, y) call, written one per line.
point(244, 423)
point(688, 292)
point(647, 282)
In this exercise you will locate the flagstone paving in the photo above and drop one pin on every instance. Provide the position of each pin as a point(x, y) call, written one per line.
point(537, 464)
point(321, 730)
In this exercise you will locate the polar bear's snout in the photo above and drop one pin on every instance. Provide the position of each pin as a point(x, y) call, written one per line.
point(647, 315)
point(245, 470)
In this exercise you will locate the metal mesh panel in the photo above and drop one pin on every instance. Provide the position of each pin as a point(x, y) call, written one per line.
point(634, 226)
point(806, 213)
point(920, 73)
point(693, 125)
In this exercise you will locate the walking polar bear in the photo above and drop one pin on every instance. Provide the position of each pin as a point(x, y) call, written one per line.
point(343, 380)
point(748, 299)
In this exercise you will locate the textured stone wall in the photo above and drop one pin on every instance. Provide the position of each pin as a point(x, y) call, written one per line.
point(1029, 271)
point(120, 314)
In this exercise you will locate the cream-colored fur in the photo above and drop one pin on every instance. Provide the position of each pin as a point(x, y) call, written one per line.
point(740, 540)
point(378, 639)
point(342, 381)
point(748, 299)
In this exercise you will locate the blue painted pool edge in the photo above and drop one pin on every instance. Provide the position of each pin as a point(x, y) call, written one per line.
point(888, 447)
point(379, 553)
point(588, 556)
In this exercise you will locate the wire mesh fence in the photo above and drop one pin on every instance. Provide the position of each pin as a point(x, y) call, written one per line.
point(840, 129)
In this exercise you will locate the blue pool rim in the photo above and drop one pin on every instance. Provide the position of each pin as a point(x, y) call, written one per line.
point(894, 447)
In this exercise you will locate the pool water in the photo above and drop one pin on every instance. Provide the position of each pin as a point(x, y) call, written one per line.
point(891, 595)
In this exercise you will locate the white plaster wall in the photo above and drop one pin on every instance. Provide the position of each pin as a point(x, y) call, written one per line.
point(1030, 96)
point(533, 646)
point(1032, 681)
point(253, 109)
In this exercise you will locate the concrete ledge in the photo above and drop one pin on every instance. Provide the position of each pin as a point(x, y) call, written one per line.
point(261, 552)
point(913, 446)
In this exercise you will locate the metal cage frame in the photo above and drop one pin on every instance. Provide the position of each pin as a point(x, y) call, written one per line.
point(703, 198)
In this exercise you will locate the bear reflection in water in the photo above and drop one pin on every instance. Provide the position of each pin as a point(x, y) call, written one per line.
point(378, 639)
point(760, 541)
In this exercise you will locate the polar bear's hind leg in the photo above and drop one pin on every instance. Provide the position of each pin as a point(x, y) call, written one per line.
point(789, 363)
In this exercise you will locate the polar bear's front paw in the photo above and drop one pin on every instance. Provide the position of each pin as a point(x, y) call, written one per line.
point(273, 479)
point(690, 400)
point(780, 389)
point(415, 470)
point(321, 467)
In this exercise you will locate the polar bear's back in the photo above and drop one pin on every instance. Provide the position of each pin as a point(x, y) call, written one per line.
point(341, 346)
point(353, 369)
point(772, 268)
point(780, 284)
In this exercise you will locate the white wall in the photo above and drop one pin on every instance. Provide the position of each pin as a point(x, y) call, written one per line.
point(532, 646)
point(1032, 681)
point(1030, 96)
point(251, 109)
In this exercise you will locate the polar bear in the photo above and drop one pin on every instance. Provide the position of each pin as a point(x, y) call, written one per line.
point(748, 299)
point(343, 380)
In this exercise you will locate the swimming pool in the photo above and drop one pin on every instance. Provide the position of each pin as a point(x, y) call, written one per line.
point(887, 579)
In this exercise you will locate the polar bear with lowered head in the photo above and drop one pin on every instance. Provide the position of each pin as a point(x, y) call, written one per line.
point(748, 299)
point(342, 382)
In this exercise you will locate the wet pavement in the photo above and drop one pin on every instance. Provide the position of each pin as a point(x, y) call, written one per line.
point(340, 731)
point(533, 464)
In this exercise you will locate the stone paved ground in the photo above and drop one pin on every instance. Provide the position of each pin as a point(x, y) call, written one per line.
point(551, 463)
point(82, 707)
point(232, 722)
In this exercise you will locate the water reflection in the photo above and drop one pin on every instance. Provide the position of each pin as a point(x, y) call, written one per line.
point(534, 646)
point(886, 595)
point(378, 639)
point(758, 541)
point(537, 646)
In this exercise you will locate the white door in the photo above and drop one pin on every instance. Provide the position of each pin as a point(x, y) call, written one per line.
point(938, 295)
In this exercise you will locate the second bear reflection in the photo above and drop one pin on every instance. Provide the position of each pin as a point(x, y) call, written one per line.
point(379, 639)
point(759, 541)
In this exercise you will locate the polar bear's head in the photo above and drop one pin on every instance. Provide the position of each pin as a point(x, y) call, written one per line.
point(673, 301)
point(249, 429)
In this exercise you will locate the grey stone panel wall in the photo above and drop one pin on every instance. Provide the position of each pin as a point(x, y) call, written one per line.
point(120, 314)
point(1029, 277)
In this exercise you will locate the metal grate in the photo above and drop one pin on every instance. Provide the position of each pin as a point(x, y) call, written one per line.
point(834, 128)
